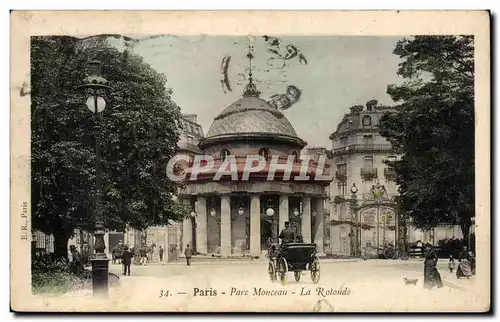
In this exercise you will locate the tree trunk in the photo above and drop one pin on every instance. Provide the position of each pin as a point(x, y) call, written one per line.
point(465, 230)
point(61, 239)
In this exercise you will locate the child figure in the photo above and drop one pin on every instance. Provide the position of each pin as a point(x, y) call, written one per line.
point(451, 264)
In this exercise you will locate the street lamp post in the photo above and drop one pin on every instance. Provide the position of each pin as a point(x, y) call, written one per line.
point(100, 262)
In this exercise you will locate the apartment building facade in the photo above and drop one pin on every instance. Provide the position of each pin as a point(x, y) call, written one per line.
point(362, 204)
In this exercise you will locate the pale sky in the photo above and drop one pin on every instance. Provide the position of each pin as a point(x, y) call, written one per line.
point(341, 72)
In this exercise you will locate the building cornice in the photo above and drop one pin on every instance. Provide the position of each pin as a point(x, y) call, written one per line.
point(350, 132)
point(245, 137)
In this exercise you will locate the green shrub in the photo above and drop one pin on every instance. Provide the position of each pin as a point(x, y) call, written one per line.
point(51, 277)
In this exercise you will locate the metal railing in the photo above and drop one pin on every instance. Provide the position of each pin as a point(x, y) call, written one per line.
point(362, 148)
point(369, 172)
point(369, 197)
point(341, 175)
point(389, 173)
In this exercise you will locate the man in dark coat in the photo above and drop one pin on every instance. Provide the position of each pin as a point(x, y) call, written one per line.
point(287, 235)
point(76, 262)
point(188, 252)
point(144, 254)
point(126, 260)
point(160, 252)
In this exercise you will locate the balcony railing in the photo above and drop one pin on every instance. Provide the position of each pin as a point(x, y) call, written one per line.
point(340, 175)
point(362, 148)
point(369, 173)
point(370, 198)
point(389, 174)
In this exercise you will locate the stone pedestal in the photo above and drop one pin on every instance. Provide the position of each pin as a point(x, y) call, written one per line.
point(100, 271)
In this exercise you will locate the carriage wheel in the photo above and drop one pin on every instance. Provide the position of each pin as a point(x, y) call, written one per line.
point(272, 270)
point(389, 253)
point(297, 275)
point(282, 270)
point(314, 267)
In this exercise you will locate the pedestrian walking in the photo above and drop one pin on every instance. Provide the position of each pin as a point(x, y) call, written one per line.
point(464, 267)
point(160, 253)
point(188, 252)
point(431, 274)
point(472, 258)
point(451, 264)
point(76, 262)
point(144, 255)
point(126, 260)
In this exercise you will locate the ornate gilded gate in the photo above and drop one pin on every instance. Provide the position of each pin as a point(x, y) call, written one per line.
point(377, 227)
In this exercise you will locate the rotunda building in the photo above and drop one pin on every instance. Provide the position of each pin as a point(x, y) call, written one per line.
point(240, 211)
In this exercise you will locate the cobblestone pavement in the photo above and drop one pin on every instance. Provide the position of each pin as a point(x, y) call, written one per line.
point(372, 285)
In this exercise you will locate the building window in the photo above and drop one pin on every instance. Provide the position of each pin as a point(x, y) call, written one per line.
point(368, 162)
point(264, 153)
point(295, 157)
point(367, 120)
point(342, 188)
point(224, 154)
point(341, 173)
point(343, 141)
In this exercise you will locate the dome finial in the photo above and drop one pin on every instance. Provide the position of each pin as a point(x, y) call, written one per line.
point(250, 88)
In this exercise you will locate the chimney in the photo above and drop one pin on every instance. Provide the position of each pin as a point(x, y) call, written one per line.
point(190, 117)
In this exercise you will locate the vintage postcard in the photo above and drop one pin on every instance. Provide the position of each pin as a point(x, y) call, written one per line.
point(250, 161)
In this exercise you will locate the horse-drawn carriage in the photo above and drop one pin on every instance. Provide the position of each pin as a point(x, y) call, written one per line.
point(293, 257)
point(117, 252)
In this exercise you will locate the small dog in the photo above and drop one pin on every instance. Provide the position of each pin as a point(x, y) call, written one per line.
point(410, 281)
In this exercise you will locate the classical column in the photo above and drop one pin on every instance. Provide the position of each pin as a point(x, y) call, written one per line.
point(283, 212)
point(225, 225)
point(306, 219)
point(319, 225)
point(187, 230)
point(201, 225)
point(255, 225)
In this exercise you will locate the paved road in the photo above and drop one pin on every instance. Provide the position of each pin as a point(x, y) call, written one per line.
point(344, 286)
point(373, 285)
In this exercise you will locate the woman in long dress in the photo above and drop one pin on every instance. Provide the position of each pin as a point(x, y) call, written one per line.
point(431, 275)
point(472, 258)
point(464, 268)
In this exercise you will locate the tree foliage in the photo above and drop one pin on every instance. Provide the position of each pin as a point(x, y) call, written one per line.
point(137, 134)
point(433, 129)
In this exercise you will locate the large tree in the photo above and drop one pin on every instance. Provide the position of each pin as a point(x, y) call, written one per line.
point(137, 133)
point(433, 129)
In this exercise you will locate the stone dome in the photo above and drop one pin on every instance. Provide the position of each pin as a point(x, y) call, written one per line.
point(249, 116)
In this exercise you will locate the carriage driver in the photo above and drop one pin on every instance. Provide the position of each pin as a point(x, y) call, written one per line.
point(287, 235)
